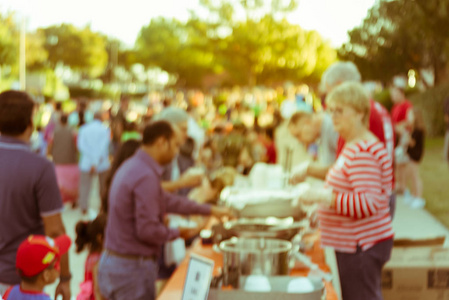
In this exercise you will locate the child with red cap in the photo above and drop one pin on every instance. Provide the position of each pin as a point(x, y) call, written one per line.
point(37, 262)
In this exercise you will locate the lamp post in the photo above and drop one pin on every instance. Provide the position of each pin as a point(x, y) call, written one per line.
point(22, 59)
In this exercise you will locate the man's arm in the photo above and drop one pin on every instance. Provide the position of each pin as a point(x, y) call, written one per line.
point(53, 228)
point(317, 170)
point(185, 181)
point(313, 169)
point(172, 186)
point(50, 207)
point(184, 206)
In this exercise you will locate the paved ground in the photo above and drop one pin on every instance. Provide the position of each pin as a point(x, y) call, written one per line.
point(71, 217)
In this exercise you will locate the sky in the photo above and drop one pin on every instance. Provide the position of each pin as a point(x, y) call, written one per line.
point(123, 19)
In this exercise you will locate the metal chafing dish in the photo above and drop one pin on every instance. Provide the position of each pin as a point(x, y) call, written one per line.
point(284, 229)
point(275, 228)
point(260, 203)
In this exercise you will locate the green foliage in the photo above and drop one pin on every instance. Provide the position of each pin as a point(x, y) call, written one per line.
point(81, 49)
point(9, 42)
point(178, 48)
point(383, 97)
point(89, 93)
point(264, 51)
point(400, 35)
point(431, 104)
point(270, 51)
point(36, 55)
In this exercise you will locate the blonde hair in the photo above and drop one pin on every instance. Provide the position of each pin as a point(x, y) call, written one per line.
point(351, 94)
point(298, 117)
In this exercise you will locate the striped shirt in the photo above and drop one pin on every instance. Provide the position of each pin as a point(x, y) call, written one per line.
point(361, 178)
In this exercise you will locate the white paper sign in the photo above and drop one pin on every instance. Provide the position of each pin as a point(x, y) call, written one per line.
point(199, 276)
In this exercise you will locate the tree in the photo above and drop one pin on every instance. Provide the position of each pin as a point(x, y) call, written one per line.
point(36, 55)
point(178, 48)
point(9, 43)
point(227, 11)
point(259, 49)
point(80, 49)
point(270, 51)
point(400, 35)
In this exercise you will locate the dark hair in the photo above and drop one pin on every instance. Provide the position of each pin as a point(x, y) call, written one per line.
point(188, 147)
point(208, 144)
point(269, 131)
point(155, 130)
point(126, 150)
point(87, 234)
point(29, 279)
point(81, 112)
point(16, 112)
point(166, 102)
point(64, 119)
point(130, 126)
point(218, 129)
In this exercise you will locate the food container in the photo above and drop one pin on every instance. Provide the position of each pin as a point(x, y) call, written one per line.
point(260, 203)
point(274, 228)
point(254, 256)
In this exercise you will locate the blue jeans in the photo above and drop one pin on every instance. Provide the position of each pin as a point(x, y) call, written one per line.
point(127, 279)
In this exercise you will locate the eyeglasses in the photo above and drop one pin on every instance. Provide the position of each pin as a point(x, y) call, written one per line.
point(338, 111)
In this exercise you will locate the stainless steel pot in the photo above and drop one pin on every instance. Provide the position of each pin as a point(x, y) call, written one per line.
point(249, 256)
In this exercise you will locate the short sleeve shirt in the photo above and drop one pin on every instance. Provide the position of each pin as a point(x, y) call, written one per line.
point(28, 192)
point(399, 111)
point(16, 293)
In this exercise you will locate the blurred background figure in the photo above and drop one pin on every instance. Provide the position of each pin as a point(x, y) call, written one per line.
point(63, 151)
point(402, 117)
point(93, 145)
point(270, 146)
point(446, 135)
point(118, 124)
point(81, 115)
point(415, 152)
point(125, 151)
point(90, 236)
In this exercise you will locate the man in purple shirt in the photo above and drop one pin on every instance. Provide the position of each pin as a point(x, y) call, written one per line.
point(30, 202)
point(137, 206)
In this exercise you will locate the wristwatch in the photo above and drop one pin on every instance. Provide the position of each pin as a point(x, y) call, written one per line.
point(65, 278)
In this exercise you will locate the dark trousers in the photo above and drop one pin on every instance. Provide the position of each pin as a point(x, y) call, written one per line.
point(360, 272)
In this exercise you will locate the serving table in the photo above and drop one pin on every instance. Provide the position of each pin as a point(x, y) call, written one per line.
point(174, 287)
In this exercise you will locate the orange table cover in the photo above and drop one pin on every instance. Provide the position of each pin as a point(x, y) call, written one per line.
point(174, 287)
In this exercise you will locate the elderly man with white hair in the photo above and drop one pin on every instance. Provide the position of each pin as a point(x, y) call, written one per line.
point(380, 123)
point(173, 177)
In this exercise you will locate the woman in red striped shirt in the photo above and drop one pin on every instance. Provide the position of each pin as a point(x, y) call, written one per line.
point(355, 216)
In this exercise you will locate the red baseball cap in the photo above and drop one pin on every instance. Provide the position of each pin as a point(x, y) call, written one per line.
point(38, 252)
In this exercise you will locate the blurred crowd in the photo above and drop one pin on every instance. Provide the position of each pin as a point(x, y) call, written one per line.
point(152, 157)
